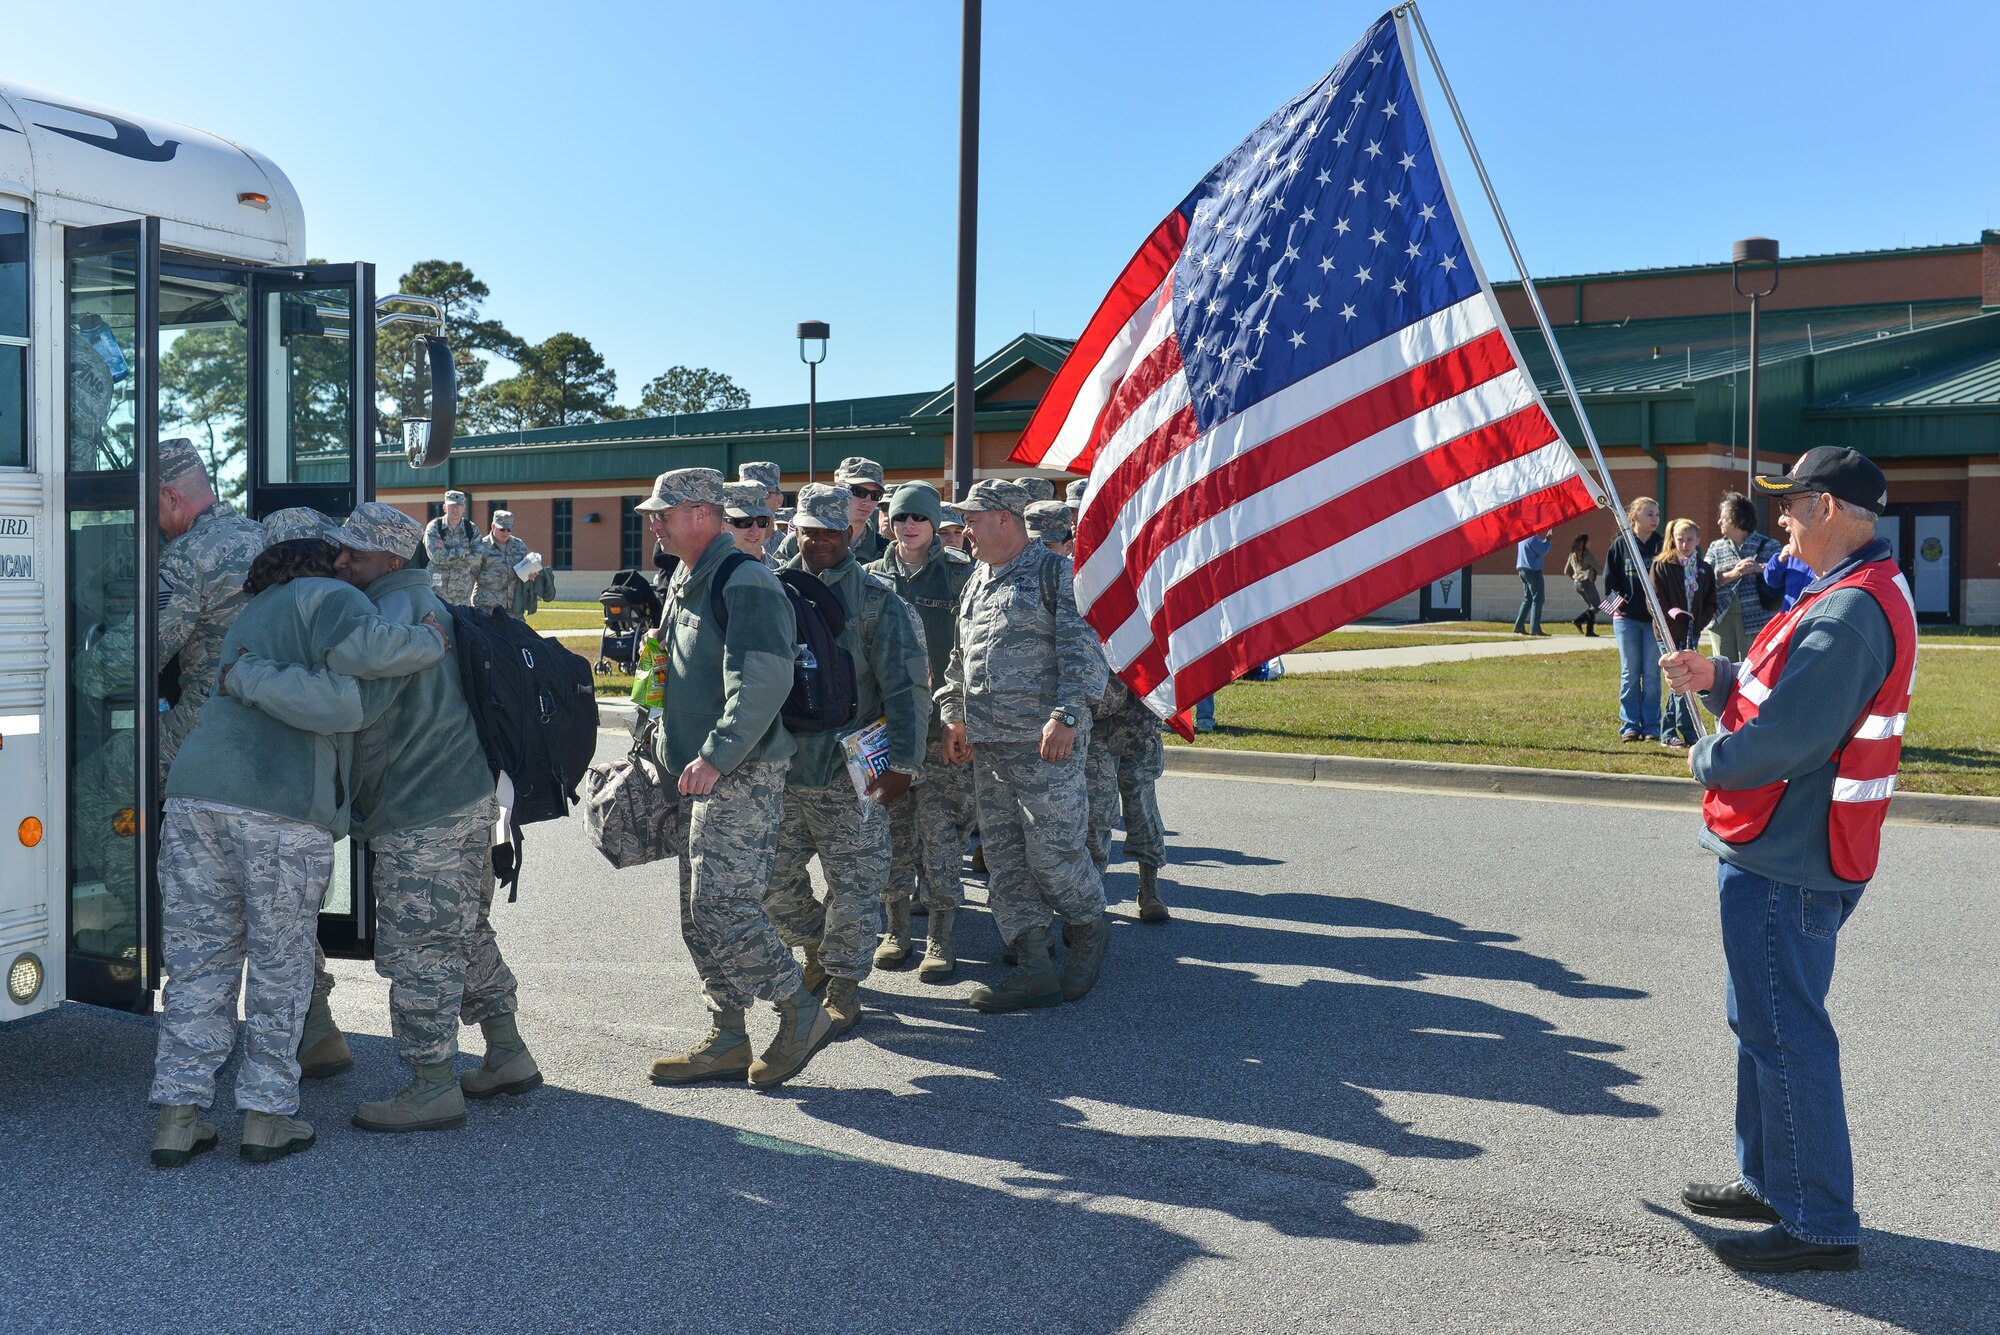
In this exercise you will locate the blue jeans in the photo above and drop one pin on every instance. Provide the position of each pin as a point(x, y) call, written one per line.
point(1638, 677)
point(1791, 1116)
point(1204, 712)
point(1533, 590)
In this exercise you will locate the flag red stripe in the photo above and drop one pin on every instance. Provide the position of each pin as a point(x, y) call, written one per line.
point(1160, 366)
point(1143, 275)
point(1168, 439)
point(1374, 410)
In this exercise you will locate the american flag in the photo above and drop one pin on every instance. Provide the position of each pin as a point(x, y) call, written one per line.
point(1299, 401)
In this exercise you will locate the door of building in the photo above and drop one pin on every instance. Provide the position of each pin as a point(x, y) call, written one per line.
point(1923, 540)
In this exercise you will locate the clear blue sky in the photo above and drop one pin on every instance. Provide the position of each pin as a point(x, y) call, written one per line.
point(683, 183)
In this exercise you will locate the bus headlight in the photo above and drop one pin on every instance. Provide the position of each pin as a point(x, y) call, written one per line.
point(24, 979)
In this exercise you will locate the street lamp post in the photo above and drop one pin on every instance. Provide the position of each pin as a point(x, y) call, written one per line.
point(1758, 251)
point(812, 331)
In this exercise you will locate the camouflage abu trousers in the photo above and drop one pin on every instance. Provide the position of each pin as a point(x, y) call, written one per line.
point(852, 840)
point(427, 886)
point(1125, 786)
point(926, 846)
point(236, 886)
point(730, 838)
point(1034, 822)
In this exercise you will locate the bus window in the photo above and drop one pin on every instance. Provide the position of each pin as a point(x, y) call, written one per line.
point(205, 368)
point(308, 368)
point(13, 339)
point(103, 285)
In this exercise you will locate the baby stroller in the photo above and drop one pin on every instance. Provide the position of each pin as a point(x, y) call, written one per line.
point(631, 608)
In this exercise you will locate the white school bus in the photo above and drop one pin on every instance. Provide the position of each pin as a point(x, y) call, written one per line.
point(152, 283)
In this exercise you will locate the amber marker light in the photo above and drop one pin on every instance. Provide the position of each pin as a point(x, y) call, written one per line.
point(254, 200)
point(31, 832)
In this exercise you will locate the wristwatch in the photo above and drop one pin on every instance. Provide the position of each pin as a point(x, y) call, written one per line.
point(1064, 717)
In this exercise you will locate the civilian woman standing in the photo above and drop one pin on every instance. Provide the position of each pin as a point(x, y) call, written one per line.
point(1638, 672)
point(1686, 586)
point(1582, 571)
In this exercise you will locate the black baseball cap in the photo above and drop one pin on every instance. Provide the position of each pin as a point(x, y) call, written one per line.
point(1840, 473)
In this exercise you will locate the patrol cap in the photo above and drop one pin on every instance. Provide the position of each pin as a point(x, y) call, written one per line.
point(854, 469)
point(1038, 488)
point(1050, 521)
point(455, 498)
point(377, 526)
point(995, 494)
point(785, 516)
point(951, 517)
point(745, 500)
point(685, 486)
point(301, 522)
point(504, 519)
point(176, 459)
point(1074, 493)
point(1839, 472)
point(766, 475)
point(919, 499)
point(821, 506)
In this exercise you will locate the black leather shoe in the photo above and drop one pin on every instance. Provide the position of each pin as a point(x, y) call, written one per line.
point(1775, 1252)
point(1731, 1202)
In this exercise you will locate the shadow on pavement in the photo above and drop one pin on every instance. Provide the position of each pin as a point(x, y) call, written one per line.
point(559, 1210)
point(1916, 1284)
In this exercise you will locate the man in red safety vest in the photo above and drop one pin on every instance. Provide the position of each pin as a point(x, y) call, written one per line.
point(1798, 776)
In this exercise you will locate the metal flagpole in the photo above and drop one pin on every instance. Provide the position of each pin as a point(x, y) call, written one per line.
point(1661, 629)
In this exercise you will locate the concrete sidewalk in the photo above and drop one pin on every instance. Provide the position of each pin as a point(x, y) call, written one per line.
point(1358, 660)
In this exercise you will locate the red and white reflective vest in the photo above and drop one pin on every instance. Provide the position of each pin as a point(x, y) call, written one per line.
point(1868, 759)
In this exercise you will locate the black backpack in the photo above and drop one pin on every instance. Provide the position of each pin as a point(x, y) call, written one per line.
point(823, 696)
point(536, 710)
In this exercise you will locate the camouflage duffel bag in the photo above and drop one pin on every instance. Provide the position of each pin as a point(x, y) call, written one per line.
point(629, 806)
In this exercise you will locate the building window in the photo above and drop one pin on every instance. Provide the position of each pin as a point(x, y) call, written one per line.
point(13, 339)
point(494, 508)
point(632, 534)
point(435, 510)
point(562, 546)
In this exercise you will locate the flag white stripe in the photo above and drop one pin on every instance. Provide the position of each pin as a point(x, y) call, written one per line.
point(1431, 517)
point(1881, 727)
point(1331, 478)
point(1147, 329)
point(1863, 790)
point(1291, 407)
point(1148, 417)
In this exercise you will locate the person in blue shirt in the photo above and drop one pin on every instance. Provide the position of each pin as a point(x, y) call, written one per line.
point(1528, 558)
point(1786, 577)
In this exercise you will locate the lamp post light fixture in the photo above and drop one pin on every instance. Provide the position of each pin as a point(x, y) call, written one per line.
point(1755, 251)
point(810, 332)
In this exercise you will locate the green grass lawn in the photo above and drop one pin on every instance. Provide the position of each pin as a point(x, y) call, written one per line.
point(1560, 711)
point(562, 616)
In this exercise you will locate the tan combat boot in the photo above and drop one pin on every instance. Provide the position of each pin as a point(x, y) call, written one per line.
point(1033, 982)
point(723, 1055)
point(431, 1102)
point(843, 1003)
point(894, 952)
point(322, 1049)
point(803, 1029)
point(1087, 942)
point(1151, 907)
point(269, 1137)
point(940, 959)
point(815, 976)
point(179, 1135)
point(509, 1068)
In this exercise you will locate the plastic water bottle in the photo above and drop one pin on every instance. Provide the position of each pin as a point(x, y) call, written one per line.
point(808, 666)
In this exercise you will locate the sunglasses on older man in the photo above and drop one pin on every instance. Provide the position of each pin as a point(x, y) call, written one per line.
point(753, 522)
point(1784, 504)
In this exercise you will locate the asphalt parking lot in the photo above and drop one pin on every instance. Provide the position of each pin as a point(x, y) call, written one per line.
point(1404, 1061)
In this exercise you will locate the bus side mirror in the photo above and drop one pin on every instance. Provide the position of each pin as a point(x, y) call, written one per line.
point(426, 443)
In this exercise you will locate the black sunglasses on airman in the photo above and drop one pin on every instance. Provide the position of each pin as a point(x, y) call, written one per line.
point(750, 523)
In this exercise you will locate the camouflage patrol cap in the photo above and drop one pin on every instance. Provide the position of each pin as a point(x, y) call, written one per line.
point(766, 475)
point(455, 498)
point(919, 499)
point(1050, 521)
point(504, 519)
point(854, 468)
point(176, 459)
point(1074, 493)
point(950, 517)
point(783, 519)
point(821, 506)
point(745, 500)
point(298, 522)
point(377, 526)
point(685, 486)
point(1038, 488)
point(995, 493)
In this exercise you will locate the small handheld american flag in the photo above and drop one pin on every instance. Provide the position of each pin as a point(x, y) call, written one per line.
point(1299, 401)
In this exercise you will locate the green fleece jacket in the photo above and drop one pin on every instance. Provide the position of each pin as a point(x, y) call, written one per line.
point(890, 676)
point(725, 687)
point(417, 758)
point(248, 757)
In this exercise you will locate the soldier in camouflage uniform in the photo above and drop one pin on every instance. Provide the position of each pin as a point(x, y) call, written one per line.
point(1126, 761)
point(247, 844)
point(722, 739)
point(823, 813)
point(926, 842)
point(1016, 704)
point(748, 518)
point(500, 587)
point(455, 551)
point(772, 479)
